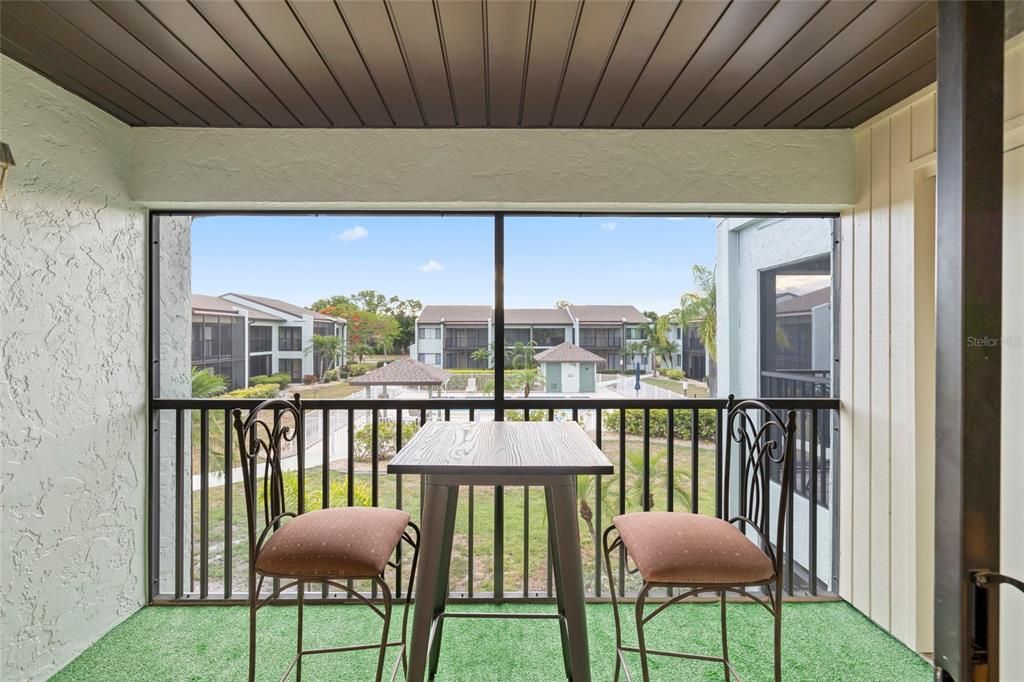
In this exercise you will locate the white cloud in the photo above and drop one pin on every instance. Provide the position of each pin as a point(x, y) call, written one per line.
point(353, 233)
point(431, 266)
point(608, 227)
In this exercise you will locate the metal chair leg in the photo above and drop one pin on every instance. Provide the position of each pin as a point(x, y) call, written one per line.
point(298, 634)
point(725, 638)
point(408, 595)
point(253, 598)
point(608, 549)
point(640, 601)
point(778, 631)
point(386, 597)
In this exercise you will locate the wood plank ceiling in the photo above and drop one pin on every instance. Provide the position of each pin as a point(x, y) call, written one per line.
point(480, 63)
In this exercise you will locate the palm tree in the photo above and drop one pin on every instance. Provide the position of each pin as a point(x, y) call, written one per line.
point(360, 348)
point(633, 348)
point(386, 344)
point(657, 342)
point(206, 384)
point(520, 356)
point(698, 308)
point(329, 348)
point(483, 354)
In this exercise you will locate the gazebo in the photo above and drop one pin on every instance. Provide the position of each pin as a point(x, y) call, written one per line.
point(404, 372)
point(567, 368)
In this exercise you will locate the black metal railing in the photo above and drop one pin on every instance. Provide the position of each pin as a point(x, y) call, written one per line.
point(667, 456)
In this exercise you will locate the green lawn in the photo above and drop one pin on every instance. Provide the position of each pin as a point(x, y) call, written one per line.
point(338, 389)
point(516, 503)
point(695, 390)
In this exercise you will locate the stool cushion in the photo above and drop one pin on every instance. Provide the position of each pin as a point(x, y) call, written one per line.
point(348, 542)
point(691, 549)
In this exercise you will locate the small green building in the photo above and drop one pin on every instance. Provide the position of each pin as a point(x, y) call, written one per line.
point(567, 368)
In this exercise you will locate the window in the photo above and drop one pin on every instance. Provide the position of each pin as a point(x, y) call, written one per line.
point(291, 367)
point(466, 337)
point(260, 339)
point(635, 334)
point(601, 338)
point(796, 329)
point(259, 365)
point(549, 336)
point(323, 329)
point(289, 338)
point(514, 336)
point(430, 358)
point(430, 333)
point(217, 346)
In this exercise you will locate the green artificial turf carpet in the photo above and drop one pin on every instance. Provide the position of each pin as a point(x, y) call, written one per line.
point(821, 641)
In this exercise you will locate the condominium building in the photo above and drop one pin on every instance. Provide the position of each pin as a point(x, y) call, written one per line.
point(462, 336)
point(239, 336)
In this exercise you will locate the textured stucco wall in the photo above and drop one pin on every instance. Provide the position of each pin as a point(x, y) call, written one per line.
point(72, 388)
point(595, 169)
point(175, 236)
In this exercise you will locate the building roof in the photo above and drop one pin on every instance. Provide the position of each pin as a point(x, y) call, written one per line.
point(567, 352)
point(537, 316)
point(285, 307)
point(202, 303)
point(435, 314)
point(608, 314)
point(804, 303)
point(403, 372)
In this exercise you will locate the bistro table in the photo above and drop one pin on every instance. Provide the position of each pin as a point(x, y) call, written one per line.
point(449, 455)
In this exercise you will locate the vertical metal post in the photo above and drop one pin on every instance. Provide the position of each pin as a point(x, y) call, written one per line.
point(646, 502)
point(228, 495)
point(694, 462)
point(812, 522)
point(204, 501)
point(968, 328)
point(179, 502)
point(153, 488)
point(499, 397)
point(597, 509)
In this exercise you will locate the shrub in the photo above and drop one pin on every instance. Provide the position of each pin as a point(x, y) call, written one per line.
point(676, 374)
point(281, 380)
point(362, 495)
point(310, 379)
point(517, 415)
point(460, 379)
point(331, 375)
point(706, 423)
point(259, 391)
point(359, 369)
point(380, 363)
point(386, 433)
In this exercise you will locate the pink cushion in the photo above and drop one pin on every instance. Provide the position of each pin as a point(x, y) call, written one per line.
point(690, 549)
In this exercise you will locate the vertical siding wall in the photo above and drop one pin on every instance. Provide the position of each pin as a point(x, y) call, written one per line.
point(887, 348)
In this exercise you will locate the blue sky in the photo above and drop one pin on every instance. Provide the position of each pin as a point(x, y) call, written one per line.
point(644, 261)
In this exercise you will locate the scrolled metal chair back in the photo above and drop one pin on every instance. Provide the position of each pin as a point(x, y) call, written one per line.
point(260, 439)
point(763, 440)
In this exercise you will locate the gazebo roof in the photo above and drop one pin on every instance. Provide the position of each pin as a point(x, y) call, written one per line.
point(567, 352)
point(403, 372)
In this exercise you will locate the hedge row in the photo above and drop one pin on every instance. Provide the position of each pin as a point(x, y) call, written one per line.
point(706, 423)
point(280, 380)
point(258, 391)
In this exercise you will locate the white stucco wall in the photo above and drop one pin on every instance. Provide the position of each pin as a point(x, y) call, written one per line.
point(72, 389)
point(175, 237)
point(637, 170)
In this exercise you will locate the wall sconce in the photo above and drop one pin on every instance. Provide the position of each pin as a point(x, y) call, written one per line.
point(6, 161)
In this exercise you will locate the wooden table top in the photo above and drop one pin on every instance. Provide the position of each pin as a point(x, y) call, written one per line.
point(533, 448)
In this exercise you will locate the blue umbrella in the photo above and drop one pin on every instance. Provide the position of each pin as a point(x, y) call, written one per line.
point(636, 387)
